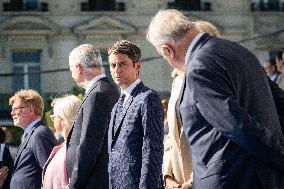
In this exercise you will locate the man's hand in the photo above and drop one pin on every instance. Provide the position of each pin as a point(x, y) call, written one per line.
point(65, 187)
point(186, 185)
point(3, 175)
point(170, 183)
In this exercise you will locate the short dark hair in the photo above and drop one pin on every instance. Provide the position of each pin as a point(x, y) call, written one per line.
point(127, 48)
point(272, 62)
point(279, 55)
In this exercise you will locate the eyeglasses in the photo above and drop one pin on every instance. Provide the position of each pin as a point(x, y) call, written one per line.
point(19, 108)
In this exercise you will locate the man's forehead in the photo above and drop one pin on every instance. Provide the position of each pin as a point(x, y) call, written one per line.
point(18, 101)
point(118, 57)
point(117, 61)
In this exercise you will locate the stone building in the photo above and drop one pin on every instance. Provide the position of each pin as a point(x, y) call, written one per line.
point(36, 36)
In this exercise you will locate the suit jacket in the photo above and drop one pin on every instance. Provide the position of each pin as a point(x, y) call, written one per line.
point(8, 161)
point(136, 148)
point(280, 81)
point(278, 96)
point(230, 119)
point(31, 157)
point(177, 157)
point(87, 156)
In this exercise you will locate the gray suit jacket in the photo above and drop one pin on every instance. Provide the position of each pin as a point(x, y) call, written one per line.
point(230, 119)
point(136, 148)
point(87, 157)
point(31, 157)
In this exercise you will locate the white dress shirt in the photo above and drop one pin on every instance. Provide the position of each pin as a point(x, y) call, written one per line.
point(129, 89)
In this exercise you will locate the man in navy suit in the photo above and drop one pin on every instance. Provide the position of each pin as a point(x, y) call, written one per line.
point(226, 107)
point(136, 125)
point(87, 149)
point(37, 143)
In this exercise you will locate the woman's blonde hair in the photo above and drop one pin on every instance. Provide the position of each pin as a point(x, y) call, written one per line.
point(66, 107)
point(207, 27)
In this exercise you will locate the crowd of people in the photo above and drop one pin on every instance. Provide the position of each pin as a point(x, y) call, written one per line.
point(224, 119)
point(274, 68)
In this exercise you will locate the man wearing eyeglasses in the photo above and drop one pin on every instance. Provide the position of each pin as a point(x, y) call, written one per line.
point(37, 143)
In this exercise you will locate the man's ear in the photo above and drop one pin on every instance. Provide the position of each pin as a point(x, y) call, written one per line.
point(32, 109)
point(167, 51)
point(138, 65)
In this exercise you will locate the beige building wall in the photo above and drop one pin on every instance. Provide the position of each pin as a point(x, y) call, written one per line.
point(65, 26)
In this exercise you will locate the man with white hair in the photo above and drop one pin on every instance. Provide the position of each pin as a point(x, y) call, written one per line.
point(87, 156)
point(226, 107)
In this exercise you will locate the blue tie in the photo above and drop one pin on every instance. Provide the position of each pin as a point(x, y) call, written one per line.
point(119, 111)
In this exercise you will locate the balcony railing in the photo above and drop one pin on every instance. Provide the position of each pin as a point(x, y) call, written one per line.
point(27, 6)
point(183, 5)
point(117, 6)
point(270, 6)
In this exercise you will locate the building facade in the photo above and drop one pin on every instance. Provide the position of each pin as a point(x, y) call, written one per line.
point(36, 36)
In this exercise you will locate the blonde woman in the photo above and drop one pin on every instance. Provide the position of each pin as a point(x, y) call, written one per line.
point(54, 171)
point(177, 154)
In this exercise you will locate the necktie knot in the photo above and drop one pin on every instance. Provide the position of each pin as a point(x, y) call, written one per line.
point(121, 99)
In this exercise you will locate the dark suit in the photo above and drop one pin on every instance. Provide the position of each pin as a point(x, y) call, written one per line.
point(8, 161)
point(31, 157)
point(278, 96)
point(136, 147)
point(230, 119)
point(87, 157)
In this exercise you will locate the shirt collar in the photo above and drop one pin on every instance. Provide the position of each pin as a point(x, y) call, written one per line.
point(194, 41)
point(31, 125)
point(130, 88)
point(274, 76)
point(95, 79)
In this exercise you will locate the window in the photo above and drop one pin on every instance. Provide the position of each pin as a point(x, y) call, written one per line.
point(103, 5)
point(267, 5)
point(26, 69)
point(190, 5)
point(18, 57)
point(25, 5)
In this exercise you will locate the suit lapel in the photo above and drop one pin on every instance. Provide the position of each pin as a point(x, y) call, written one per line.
point(204, 38)
point(25, 142)
point(179, 122)
point(125, 109)
point(86, 96)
